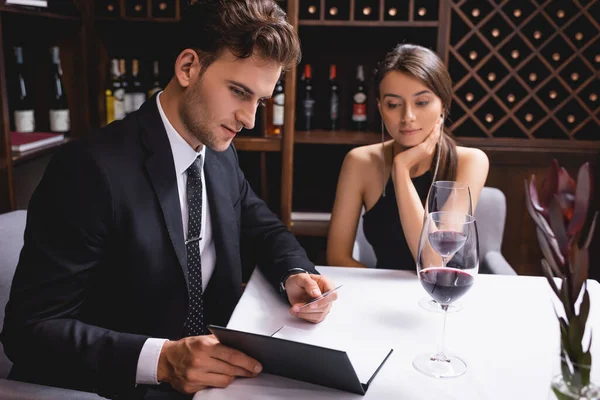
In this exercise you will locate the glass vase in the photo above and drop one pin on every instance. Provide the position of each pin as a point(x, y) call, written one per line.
point(573, 382)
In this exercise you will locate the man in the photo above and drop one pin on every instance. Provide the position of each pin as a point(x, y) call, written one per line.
point(132, 245)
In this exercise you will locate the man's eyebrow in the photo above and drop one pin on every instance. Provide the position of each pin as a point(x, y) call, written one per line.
point(247, 89)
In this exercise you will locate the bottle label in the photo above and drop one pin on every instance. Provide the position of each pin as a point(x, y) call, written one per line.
point(128, 103)
point(24, 121)
point(278, 107)
point(118, 108)
point(119, 103)
point(308, 107)
point(360, 98)
point(138, 100)
point(334, 106)
point(60, 121)
point(119, 94)
point(359, 112)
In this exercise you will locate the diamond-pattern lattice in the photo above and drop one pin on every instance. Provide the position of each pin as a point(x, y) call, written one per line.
point(526, 69)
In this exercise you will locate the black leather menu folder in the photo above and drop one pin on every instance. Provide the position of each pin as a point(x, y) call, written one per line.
point(295, 360)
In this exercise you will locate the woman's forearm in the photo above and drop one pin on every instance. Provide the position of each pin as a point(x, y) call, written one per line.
point(344, 262)
point(410, 208)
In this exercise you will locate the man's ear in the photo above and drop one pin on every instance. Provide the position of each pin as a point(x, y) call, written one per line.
point(187, 67)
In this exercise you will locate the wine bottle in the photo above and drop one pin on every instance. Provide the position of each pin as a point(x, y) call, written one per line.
point(275, 107)
point(125, 85)
point(114, 94)
point(308, 100)
point(134, 94)
point(334, 99)
point(60, 120)
point(359, 105)
point(155, 86)
point(23, 102)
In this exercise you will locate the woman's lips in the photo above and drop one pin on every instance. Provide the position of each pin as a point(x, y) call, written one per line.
point(409, 131)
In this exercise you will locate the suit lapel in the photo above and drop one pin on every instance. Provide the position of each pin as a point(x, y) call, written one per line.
point(161, 170)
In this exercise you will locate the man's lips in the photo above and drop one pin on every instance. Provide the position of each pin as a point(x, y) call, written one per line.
point(233, 132)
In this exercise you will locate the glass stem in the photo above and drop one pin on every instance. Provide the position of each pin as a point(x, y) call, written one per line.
point(441, 356)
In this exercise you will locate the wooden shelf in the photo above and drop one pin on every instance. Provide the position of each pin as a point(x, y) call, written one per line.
point(310, 228)
point(321, 136)
point(38, 13)
point(136, 19)
point(244, 143)
point(18, 158)
point(530, 145)
point(390, 24)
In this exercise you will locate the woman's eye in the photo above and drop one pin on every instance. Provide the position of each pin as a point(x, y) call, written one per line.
point(422, 103)
point(391, 106)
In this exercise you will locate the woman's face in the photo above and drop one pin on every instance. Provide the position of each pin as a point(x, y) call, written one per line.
point(409, 109)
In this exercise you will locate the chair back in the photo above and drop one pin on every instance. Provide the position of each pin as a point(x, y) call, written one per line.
point(12, 228)
point(363, 251)
point(490, 216)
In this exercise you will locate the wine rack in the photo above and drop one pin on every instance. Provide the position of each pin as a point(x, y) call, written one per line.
point(526, 69)
point(369, 12)
point(157, 10)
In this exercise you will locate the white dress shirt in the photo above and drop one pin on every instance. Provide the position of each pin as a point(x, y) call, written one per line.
point(183, 155)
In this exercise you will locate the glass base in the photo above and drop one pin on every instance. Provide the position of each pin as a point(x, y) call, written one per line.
point(563, 391)
point(429, 304)
point(438, 366)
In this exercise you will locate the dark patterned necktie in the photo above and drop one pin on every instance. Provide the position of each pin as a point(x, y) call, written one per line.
point(194, 324)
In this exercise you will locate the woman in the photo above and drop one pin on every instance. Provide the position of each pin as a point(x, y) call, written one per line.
point(391, 180)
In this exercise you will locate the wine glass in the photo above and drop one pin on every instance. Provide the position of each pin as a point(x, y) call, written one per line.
point(447, 264)
point(446, 196)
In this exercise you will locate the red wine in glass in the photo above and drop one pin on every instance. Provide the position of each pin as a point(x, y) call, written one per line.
point(446, 196)
point(446, 243)
point(447, 264)
point(445, 284)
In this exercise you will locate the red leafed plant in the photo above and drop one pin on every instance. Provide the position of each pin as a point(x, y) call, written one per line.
point(560, 211)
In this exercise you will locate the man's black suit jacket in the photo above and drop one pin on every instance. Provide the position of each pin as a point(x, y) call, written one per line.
point(103, 266)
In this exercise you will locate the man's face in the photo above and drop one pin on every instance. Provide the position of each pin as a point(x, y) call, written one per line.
point(223, 100)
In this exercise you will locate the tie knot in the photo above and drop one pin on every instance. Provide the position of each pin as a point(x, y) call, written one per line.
point(195, 168)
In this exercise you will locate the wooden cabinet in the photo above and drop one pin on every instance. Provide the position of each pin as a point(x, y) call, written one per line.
point(36, 31)
point(526, 90)
point(525, 76)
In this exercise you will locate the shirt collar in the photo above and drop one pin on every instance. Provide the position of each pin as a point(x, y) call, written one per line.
point(183, 154)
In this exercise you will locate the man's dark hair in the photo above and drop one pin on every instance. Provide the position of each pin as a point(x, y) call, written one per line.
point(245, 27)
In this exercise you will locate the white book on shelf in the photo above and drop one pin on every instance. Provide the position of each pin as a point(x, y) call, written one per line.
point(32, 3)
point(310, 216)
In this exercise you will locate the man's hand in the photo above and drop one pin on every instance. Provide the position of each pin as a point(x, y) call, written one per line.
point(301, 288)
point(196, 362)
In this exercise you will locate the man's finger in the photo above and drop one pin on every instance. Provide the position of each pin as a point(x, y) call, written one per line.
point(218, 366)
point(328, 299)
point(309, 284)
point(235, 357)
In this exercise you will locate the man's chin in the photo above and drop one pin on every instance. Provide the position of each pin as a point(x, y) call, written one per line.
point(220, 146)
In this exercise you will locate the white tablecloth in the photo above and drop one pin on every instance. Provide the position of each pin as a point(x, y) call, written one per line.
point(506, 332)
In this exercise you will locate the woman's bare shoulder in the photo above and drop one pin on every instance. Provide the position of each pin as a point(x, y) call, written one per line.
point(367, 155)
point(471, 155)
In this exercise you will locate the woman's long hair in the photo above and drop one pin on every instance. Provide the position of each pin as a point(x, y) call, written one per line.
point(426, 66)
